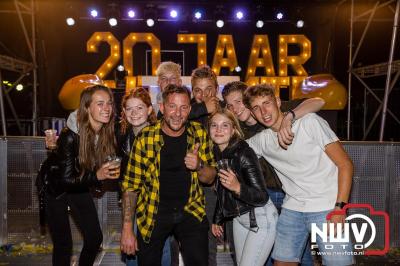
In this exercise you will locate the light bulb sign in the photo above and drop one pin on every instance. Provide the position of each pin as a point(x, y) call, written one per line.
point(225, 56)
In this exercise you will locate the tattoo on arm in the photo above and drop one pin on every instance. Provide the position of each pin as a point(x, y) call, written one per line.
point(129, 199)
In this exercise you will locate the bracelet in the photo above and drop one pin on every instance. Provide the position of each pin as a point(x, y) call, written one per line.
point(293, 115)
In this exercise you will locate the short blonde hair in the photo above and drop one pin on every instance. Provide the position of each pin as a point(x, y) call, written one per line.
point(168, 66)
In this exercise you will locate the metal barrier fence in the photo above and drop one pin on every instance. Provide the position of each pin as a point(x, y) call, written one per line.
point(376, 181)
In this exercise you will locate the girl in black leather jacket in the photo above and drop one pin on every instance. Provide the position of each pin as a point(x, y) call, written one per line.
point(81, 150)
point(241, 193)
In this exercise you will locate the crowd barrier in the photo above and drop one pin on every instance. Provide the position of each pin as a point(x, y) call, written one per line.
point(376, 182)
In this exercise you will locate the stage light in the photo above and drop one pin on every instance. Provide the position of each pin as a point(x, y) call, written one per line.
point(279, 15)
point(131, 13)
point(198, 15)
point(238, 69)
point(70, 21)
point(150, 15)
point(173, 13)
point(120, 77)
point(300, 23)
point(113, 22)
point(239, 15)
point(220, 16)
point(220, 23)
point(259, 16)
point(94, 13)
point(19, 87)
point(150, 22)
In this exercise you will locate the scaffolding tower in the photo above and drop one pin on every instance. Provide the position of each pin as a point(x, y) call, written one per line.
point(24, 68)
point(387, 68)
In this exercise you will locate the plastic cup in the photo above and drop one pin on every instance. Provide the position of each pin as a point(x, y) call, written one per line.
point(115, 164)
point(51, 138)
point(223, 164)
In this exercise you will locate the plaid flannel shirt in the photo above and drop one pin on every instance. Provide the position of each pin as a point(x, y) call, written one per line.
point(143, 171)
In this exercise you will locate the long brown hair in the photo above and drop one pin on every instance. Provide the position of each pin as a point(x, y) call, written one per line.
point(93, 153)
point(144, 96)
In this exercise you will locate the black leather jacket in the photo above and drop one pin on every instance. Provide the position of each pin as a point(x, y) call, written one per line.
point(69, 177)
point(252, 185)
point(124, 146)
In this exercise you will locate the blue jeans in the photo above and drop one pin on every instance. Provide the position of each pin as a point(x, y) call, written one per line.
point(253, 245)
point(277, 196)
point(292, 234)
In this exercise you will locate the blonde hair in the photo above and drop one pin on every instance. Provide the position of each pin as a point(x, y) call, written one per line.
point(237, 131)
point(168, 66)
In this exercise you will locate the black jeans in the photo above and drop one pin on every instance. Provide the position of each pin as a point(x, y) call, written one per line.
point(85, 216)
point(191, 234)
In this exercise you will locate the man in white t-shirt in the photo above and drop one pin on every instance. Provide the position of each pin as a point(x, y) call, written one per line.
point(316, 175)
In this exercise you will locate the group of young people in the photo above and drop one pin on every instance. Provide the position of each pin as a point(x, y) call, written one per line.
point(258, 168)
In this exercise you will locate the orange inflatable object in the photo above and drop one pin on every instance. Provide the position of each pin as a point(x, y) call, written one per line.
point(71, 90)
point(324, 86)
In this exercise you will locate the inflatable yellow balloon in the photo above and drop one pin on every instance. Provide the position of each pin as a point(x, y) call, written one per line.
point(324, 86)
point(71, 90)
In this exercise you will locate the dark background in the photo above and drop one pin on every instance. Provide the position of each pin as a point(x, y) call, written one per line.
point(61, 50)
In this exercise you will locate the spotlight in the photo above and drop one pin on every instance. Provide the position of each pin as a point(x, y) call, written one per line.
point(238, 69)
point(94, 13)
point(259, 24)
point(131, 13)
point(220, 16)
point(173, 13)
point(198, 15)
point(239, 15)
point(70, 21)
point(150, 22)
point(113, 22)
point(300, 23)
point(279, 15)
point(220, 23)
point(119, 75)
point(150, 15)
point(19, 87)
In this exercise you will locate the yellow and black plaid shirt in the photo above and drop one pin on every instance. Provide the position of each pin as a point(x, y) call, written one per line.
point(143, 171)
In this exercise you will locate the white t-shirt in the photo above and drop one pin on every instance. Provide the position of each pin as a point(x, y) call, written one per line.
point(308, 175)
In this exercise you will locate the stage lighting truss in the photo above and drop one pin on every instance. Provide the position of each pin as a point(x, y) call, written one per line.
point(258, 16)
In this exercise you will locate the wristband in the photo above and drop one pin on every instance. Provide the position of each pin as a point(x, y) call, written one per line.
point(293, 115)
point(340, 204)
